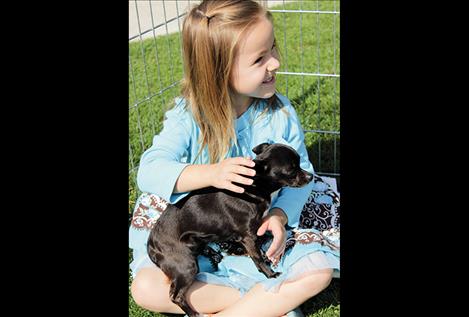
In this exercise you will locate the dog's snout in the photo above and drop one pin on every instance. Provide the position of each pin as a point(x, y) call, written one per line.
point(302, 178)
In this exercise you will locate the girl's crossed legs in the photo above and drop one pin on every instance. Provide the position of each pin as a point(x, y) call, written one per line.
point(150, 290)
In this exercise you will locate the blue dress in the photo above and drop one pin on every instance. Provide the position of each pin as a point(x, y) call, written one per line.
point(309, 247)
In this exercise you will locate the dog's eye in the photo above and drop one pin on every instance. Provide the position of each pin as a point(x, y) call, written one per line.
point(283, 174)
point(291, 173)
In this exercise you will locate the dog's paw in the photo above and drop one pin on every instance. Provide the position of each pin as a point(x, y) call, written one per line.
point(217, 257)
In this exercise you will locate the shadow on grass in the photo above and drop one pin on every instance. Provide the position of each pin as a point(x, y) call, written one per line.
point(324, 154)
point(323, 148)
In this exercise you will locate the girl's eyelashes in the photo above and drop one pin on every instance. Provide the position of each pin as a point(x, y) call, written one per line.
point(261, 57)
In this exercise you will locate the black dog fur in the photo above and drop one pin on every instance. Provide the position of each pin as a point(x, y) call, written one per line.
point(214, 215)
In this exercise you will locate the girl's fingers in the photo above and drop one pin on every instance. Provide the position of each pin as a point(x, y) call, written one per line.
point(243, 161)
point(241, 180)
point(234, 188)
point(274, 247)
point(241, 170)
point(278, 254)
point(263, 228)
point(276, 259)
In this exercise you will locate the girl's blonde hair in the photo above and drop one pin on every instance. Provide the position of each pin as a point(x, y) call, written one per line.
point(210, 35)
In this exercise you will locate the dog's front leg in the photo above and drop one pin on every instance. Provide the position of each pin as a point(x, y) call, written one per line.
point(254, 252)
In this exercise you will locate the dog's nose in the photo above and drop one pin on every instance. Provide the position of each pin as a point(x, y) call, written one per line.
point(308, 176)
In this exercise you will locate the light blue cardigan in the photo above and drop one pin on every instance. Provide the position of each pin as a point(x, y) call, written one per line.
point(176, 146)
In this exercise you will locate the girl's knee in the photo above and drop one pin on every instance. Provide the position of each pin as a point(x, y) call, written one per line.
point(150, 294)
point(140, 290)
point(319, 280)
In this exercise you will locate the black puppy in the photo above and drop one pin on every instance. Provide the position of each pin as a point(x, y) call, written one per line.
point(215, 215)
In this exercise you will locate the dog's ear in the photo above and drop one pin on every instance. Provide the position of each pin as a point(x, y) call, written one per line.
point(260, 167)
point(260, 148)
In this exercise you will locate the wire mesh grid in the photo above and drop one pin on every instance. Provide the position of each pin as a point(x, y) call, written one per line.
point(307, 34)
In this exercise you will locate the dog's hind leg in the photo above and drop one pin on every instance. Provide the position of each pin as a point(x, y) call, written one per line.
point(177, 292)
point(253, 250)
point(183, 277)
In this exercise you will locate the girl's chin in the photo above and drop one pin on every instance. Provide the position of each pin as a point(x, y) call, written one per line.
point(263, 93)
point(267, 95)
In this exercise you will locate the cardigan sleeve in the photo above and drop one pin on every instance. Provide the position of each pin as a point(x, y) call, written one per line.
point(289, 199)
point(162, 163)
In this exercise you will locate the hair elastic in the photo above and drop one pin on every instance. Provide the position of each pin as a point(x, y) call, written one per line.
point(206, 16)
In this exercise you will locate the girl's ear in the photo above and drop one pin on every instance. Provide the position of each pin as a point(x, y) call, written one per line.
point(258, 149)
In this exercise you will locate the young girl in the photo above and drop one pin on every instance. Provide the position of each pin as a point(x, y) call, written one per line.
point(229, 106)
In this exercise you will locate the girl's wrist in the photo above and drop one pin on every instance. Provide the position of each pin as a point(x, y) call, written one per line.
point(193, 177)
point(210, 174)
point(280, 214)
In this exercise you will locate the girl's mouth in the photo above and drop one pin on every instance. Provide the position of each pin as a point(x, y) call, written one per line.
point(270, 80)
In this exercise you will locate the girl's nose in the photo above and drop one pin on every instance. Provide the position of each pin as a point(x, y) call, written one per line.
point(273, 64)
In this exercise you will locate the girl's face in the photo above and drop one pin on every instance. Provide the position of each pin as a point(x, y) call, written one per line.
point(255, 65)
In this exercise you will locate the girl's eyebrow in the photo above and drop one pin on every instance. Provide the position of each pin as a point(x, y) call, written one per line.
point(263, 51)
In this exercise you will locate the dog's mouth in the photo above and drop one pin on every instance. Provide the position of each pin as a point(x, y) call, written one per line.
point(301, 180)
point(298, 184)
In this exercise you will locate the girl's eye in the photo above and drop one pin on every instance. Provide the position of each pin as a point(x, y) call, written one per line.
point(260, 58)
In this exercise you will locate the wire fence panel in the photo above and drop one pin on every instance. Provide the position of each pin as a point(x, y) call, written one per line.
point(308, 39)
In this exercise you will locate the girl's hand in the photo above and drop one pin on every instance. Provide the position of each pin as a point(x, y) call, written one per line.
point(230, 170)
point(275, 222)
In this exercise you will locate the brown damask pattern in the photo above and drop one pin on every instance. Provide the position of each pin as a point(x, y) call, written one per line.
point(147, 210)
point(307, 237)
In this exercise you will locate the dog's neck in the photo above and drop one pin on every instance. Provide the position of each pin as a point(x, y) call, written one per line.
point(255, 192)
point(261, 189)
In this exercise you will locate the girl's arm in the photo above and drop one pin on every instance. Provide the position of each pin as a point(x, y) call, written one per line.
point(164, 169)
point(291, 200)
point(220, 175)
point(162, 163)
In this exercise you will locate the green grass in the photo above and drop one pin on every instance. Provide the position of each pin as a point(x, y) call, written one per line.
point(155, 65)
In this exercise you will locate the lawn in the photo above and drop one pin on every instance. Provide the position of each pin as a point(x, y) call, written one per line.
point(155, 69)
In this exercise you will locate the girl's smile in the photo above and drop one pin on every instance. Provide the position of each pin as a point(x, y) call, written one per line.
point(269, 81)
